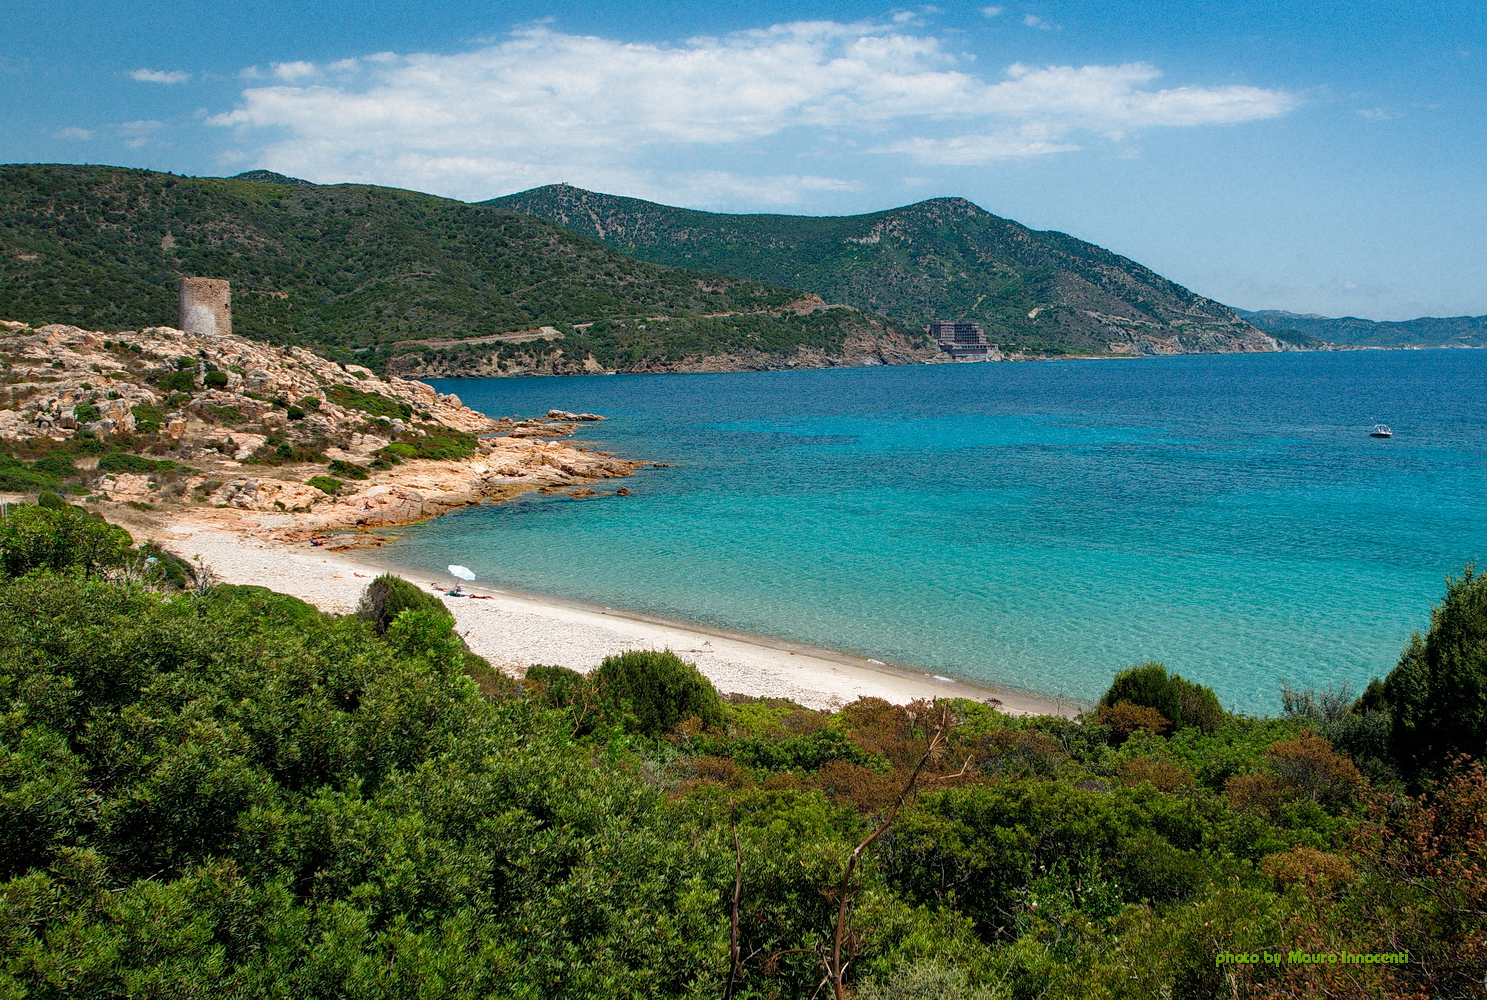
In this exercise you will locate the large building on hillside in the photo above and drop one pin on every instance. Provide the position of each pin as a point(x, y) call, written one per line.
point(962, 341)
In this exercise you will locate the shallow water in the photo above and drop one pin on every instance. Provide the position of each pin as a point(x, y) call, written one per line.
point(1034, 526)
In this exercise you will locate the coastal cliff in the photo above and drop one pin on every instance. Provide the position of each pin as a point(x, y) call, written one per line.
point(245, 434)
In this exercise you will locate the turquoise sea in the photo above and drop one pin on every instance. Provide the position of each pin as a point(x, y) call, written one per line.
point(1030, 526)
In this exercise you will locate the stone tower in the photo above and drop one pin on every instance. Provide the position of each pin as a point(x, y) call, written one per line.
point(206, 306)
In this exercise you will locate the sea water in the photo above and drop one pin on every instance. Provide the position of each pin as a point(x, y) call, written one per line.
point(1029, 526)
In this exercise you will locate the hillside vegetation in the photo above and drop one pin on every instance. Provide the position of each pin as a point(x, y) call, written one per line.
point(353, 270)
point(944, 258)
point(219, 791)
point(1427, 331)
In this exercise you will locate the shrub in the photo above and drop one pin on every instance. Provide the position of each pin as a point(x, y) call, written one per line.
point(86, 413)
point(310, 402)
point(122, 461)
point(1163, 775)
point(401, 450)
point(147, 419)
point(55, 463)
point(1125, 717)
point(215, 380)
point(653, 691)
point(373, 403)
point(23, 481)
point(389, 596)
point(559, 687)
point(51, 501)
point(177, 381)
point(348, 469)
point(1437, 694)
point(59, 538)
point(326, 484)
point(1310, 765)
point(295, 413)
point(166, 567)
point(1308, 866)
point(1183, 702)
point(266, 605)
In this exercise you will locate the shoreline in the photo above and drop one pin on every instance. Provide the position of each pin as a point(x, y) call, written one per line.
point(514, 630)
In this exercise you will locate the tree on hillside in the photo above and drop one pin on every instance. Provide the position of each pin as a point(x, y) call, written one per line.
point(1180, 701)
point(1438, 692)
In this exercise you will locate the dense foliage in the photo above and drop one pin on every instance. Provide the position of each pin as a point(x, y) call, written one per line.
point(944, 258)
point(222, 791)
point(357, 268)
point(1179, 702)
point(1437, 696)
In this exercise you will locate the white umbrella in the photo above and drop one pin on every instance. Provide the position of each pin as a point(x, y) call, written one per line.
point(463, 573)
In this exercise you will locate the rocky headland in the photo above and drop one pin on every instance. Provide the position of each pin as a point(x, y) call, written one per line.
point(274, 441)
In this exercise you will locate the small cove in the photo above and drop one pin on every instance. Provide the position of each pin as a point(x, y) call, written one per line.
point(1030, 526)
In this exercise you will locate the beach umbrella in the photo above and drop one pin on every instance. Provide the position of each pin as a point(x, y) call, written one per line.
point(463, 572)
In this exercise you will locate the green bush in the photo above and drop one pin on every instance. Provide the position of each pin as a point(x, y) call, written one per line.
point(55, 463)
point(295, 413)
point(22, 481)
point(59, 538)
point(266, 605)
point(87, 444)
point(799, 752)
point(373, 403)
point(215, 380)
point(122, 461)
point(51, 501)
point(401, 450)
point(389, 596)
point(147, 419)
point(162, 567)
point(1437, 695)
point(326, 484)
point(652, 691)
point(177, 381)
point(86, 413)
point(348, 469)
point(1180, 701)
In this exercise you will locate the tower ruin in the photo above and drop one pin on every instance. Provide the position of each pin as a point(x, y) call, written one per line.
point(206, 306)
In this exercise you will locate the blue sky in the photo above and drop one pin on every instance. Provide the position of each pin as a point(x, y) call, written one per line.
point(1326, 158)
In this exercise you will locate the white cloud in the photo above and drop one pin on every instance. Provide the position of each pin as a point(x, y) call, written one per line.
point(160, 76)
point(992, 11)
point(294, 71)
point(1379, 114)
point(78, 134)
point(968, 150)
point(138, 133)
point(541, 106)
point(1034, 21)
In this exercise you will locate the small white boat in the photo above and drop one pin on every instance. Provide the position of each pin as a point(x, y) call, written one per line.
point(1381, 431)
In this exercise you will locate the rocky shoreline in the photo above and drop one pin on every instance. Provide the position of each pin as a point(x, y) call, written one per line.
point(275, 442)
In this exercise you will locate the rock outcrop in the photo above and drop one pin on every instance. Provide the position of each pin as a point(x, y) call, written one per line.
point(218, 423)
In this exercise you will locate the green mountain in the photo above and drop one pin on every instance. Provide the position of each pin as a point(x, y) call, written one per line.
point(944, 258)
point(1427, 331)
point(411, 281)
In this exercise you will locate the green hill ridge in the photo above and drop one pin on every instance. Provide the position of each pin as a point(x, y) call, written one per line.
point(378, 271)
point(942, 258)
point(1427, 331)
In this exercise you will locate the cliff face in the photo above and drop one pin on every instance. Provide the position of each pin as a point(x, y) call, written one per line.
point(163, 417)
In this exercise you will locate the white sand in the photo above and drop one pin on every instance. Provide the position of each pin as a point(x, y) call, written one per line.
point(513, 631)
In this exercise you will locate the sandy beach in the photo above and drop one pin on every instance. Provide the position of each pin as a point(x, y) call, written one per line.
point(514, 630)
